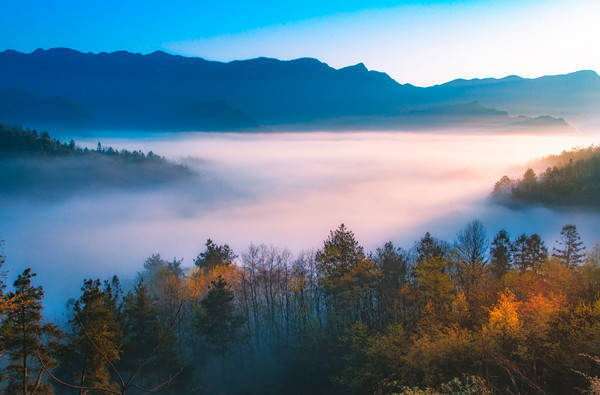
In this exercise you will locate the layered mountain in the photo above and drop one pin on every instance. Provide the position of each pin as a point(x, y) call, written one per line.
point(159, 90)
point(575, 96)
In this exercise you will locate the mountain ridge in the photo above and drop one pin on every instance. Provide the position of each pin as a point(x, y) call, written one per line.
point(125, 89)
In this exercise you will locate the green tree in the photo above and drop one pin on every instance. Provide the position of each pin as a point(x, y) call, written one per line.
point(214, 255)
point(429, 247)
point(341, 252)
point(433, 285)
point(570, 249)
point(96, 337)
point(217, 319)
point(529, 252)
point(5, 302)
point(501, 254)
point(392, 263)
point(148, 345)
point(27, 339)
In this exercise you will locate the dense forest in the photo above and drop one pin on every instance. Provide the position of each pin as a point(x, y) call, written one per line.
point(470, 316)
point(571, 179)
point(35, 164)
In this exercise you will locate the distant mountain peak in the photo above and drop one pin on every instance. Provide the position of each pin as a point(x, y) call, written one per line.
point(359, 67)
point(130, 89)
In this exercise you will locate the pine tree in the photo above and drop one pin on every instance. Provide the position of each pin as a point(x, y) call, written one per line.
point(217, 319)
point(5, 302)
point(429, 247)
point(96, 335)
point(214, 255)
point(529, 252)
point(27, 339)
point(341, 252)
point(501, 254)
point(143, 330)
point(570, 250)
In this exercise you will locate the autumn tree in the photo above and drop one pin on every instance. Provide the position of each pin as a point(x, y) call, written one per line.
point(27, 339)
point(434, 287)
point(95, 341)
point(347, 276)
point(214, 255)
point(5, 302)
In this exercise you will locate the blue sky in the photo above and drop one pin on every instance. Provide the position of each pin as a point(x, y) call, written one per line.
point(422, 42)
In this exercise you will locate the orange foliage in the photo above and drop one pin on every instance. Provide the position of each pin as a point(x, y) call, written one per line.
point(198, 282)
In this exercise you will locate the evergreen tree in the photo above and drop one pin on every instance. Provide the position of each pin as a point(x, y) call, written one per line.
point(341, 252)
point(26, 338)
point(570, 250)
point(217, 319)
point(142, 332)
point(529, 252)
point(501, 254)
point(214, 255)
point(5, 302)
point(429, 247)
point(393, 265)
point(96, 337)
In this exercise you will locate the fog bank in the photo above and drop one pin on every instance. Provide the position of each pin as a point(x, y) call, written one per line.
point(286, 189)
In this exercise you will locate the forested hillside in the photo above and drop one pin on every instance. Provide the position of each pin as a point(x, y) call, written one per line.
point(571, 179)
point(467, 316)
point(35, 164)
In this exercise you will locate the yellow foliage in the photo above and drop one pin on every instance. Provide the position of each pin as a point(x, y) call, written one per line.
point(198, 282)
point(504, 316)
point(460, 308)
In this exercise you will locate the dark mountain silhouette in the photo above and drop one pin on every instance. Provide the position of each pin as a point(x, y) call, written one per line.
point(575, 95)
point(159, 90)
point(471, 115)
point(17, 106)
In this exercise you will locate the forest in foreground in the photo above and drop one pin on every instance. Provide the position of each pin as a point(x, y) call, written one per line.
point(474, 315)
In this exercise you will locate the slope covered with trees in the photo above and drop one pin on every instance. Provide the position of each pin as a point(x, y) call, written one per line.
point(468, 316)
point(35, 164)
point(571, 179)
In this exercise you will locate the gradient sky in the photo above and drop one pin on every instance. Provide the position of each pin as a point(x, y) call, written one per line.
point(421, 42)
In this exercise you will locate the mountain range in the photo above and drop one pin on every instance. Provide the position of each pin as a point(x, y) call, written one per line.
point(66, 88)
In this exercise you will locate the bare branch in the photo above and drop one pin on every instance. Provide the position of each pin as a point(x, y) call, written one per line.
point(160, 386)
point(101, 352)
point(156, 347)
point(73, 386)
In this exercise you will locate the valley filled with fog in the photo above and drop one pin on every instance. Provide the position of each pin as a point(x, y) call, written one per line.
point(285, 189)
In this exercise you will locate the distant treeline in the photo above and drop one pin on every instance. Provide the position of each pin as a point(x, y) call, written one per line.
point(572, 179)
point(14, 140)
point(464, 317)
point(36, 164)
